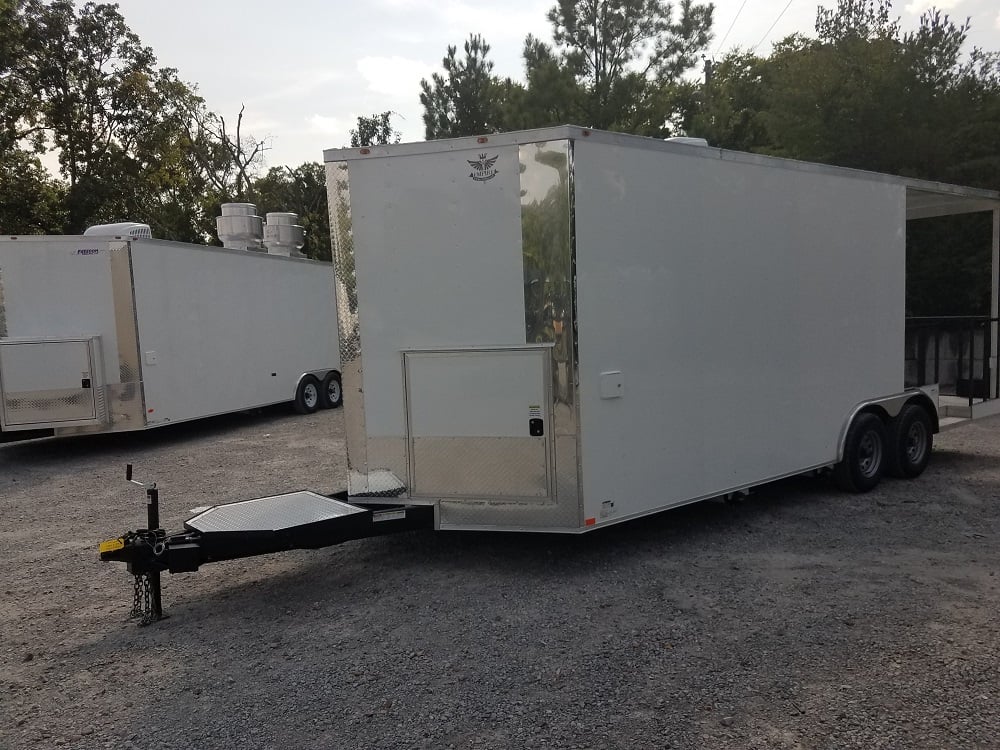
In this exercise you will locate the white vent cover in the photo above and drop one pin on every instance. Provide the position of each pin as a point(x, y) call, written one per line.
point(132, 229)
point(688, 140)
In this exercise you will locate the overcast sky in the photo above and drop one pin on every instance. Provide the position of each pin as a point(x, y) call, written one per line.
point(305, 69)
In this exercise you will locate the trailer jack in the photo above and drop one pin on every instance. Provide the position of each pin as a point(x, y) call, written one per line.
point(245, 528)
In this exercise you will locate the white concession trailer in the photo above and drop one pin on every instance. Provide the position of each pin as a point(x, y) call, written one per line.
point(107, 334)
point(557, 330)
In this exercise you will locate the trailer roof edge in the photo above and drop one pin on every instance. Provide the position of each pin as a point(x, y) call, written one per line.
point(925, 198)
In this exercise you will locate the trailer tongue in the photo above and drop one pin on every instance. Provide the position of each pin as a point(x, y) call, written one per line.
point(294, 520)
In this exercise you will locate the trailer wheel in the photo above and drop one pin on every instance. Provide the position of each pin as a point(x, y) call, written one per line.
point(331, 393)
point(864, 455)
point(911, 437)
point(307, 395)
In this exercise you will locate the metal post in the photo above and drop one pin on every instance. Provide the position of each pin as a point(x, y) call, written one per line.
point(152, 508)
point(987, 351)
point(995, 302)
point(153, 524)
point(972, 362)
point(937, 354)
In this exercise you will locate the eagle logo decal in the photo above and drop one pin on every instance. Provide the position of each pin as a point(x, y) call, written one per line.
point(482, 168)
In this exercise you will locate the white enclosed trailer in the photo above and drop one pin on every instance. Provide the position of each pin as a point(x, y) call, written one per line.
point(107, 334)
point(560, 329)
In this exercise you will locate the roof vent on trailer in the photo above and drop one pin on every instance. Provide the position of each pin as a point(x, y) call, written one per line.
point(687, 140)
point(132, 229)
point(239, 227)
point(283, 235)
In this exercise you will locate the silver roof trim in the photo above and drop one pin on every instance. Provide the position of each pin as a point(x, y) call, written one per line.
point(925, 198)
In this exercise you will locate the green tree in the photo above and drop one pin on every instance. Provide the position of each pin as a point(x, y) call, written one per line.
point(552, 95)
point(133, 140)
point(376, 129)
point(467, 99)
point(614, 64)
point(865, 95)
point(16, 101)
point(975, 98)
point(175, 192)
point(733, 101)
point(117, 121)
point(629, 56)
point(30, 200)
point(91, 72)
point(301, 190)
point(230, 158)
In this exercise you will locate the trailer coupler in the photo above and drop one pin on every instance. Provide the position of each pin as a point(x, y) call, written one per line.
point(296, 520)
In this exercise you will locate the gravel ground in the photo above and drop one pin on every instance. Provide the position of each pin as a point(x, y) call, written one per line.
point(801, 618)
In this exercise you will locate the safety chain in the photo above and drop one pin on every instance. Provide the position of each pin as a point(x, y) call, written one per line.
point(142, 600)
point(143, 596)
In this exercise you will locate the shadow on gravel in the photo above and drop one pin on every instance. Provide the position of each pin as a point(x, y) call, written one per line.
point(945, 458)
point(86, 446)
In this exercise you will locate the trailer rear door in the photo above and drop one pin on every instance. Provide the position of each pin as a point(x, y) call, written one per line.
point(478, 423)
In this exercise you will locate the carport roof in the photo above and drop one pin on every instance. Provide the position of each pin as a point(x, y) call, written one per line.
point(927, 199)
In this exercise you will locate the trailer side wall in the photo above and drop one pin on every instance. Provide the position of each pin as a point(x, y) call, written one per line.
point(224, 330)
point(748, 308)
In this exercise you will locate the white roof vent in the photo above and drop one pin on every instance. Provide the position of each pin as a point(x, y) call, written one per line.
point(132, 229)
point(283, 235)
point(687, 140)
point(239, 227)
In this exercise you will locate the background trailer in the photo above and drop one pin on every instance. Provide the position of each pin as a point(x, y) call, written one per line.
point(100, 334)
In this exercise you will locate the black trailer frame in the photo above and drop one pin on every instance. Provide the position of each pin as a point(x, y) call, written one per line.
point(246, 528)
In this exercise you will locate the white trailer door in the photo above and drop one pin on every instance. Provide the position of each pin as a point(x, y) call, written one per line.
point(49, 383)
point(478, 423)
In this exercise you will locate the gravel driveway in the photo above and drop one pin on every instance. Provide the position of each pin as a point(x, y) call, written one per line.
point(802, 618)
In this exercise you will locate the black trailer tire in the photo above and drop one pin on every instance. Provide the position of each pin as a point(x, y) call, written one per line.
point(307, 395)
point(911, 438)
point(331, 393)
point(864, 454)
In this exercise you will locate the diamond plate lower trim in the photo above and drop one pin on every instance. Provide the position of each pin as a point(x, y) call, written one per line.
point(493, 467)
point(509, 516)
point(31, 407)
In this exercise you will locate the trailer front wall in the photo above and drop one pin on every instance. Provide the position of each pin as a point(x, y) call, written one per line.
point(76, 288)
point(58, 288)
point(748, 308)
point(225, 330)
point(487, 229)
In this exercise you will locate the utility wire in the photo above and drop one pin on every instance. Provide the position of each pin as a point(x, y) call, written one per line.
point(726, 35)
point(771, 28)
